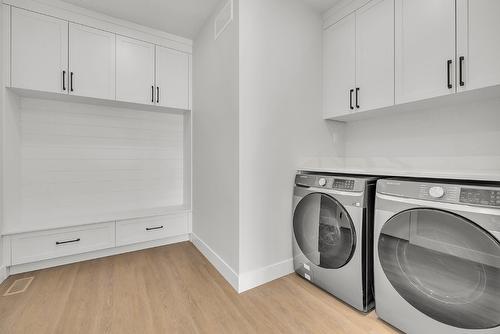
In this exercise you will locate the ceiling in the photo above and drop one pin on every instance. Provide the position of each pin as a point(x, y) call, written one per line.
point(321, 5)
point(179, 17)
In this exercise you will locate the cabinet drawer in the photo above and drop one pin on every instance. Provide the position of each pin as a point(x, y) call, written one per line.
point(45, 245)
point(151, 228)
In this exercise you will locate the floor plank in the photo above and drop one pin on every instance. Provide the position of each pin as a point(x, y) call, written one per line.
point(171, 289)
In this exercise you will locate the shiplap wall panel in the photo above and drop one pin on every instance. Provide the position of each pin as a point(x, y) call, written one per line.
point(87, 160)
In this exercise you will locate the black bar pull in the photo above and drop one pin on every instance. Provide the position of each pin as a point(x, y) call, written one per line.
point(71, 81)
point(357, 94)
point(154, 228)
point(461, 69)
point(157, 94)
point(350, 99)
point(67, 242)
point(64, 80)
point(448, 70)
point(152, 94)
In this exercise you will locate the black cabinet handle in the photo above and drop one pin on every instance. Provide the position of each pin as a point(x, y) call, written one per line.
point(64, 80)
point(152, 94)
point(357, 94)
point(157, 94)
point(448, 70)
point(350, 99)
point(67, 242)
point(154, 228)
point(461, 69)
point(71, 81)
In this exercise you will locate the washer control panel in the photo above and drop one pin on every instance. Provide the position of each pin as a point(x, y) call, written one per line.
point(480, 196)
point(343, 184)
point(329, 182)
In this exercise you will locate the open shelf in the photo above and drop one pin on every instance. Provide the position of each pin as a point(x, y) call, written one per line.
point(94, 101)
point(74, 161)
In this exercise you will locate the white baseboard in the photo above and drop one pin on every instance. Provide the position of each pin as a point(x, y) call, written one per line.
point(3, 274)
point(22, 268)
point(252, 279)
point(222, 267)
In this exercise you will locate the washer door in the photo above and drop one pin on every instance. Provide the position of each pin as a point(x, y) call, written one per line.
point(324, 231)
point(444, 265)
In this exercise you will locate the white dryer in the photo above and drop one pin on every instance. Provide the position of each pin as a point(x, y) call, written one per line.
point(437, 256)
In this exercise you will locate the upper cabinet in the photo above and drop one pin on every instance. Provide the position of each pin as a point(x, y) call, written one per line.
point(91, 62)
point(39, 52)
point(375, 55)
point(409, 50)
point(425, 49)
point(57, 56)
point(478, 44)
point(339, 67)
point(135, 71)
point(172, 78)
point(359, 60)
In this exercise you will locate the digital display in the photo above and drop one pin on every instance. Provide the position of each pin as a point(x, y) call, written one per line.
point(480, 196)
point(343, 184)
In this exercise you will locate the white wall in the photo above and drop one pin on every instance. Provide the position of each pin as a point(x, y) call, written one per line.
point(2, 49)
point(215, 140)
point(280, 124)
point(462, 138)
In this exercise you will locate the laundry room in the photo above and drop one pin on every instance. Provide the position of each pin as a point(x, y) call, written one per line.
point(244, 166)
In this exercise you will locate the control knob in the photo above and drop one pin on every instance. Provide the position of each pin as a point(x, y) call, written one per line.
point(322, 182)
point(436, 192)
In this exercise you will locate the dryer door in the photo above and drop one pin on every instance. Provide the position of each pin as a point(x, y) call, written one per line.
point(324, 231)
point(444, 265)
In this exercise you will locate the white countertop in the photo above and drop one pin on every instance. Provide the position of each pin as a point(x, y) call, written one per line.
point(478, 168)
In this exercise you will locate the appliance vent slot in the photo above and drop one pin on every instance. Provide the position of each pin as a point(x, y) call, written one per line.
point(223, 19)
point(19, 286)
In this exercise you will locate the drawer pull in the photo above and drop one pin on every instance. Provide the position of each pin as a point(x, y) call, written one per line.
point(67, 242)
point(154, 228)
point(448, 73)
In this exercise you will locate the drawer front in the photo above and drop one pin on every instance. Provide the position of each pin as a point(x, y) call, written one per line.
point(31, 247)
point(151, 228)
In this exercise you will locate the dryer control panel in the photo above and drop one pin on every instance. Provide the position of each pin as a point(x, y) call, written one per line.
point(442, 192)
point(485, 197)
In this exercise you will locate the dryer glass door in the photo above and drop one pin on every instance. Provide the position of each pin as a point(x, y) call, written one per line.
point(324, 231)
point(444, 265)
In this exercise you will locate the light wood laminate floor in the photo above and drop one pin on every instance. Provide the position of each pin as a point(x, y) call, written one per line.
point(171, 289)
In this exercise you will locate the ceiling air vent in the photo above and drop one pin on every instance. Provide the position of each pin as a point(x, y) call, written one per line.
point(224, 18)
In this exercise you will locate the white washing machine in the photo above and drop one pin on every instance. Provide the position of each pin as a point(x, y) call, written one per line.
point(332, 234)
point(437, 256)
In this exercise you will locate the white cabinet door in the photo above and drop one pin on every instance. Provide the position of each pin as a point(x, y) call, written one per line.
point(425, 49)
point(39, 52)
point(478, 38)
point(375, 55)
point(339, 67)
point(172, 78)
point(91, 62)
point(135, 71)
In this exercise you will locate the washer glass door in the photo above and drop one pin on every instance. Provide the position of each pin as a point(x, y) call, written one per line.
point(324, 231)
point(444, 265)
